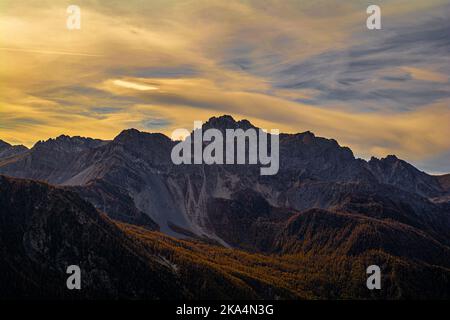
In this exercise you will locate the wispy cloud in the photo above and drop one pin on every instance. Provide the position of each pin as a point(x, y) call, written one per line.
point(293, 65)
point(50, 52)
point(133, 85)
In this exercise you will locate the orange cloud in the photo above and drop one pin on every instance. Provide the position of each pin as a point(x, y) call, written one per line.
point(39, 57)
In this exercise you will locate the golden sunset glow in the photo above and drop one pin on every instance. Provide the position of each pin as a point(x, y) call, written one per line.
point(291, 65)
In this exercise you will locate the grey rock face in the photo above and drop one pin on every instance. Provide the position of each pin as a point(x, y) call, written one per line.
point(133, 179)
point(393, 171)
point(7, 150)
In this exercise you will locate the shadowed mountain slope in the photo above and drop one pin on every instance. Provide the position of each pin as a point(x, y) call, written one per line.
point(7, 150)
point(44, 229)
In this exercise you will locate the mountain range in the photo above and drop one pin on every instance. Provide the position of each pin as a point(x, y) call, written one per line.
point(125, 212)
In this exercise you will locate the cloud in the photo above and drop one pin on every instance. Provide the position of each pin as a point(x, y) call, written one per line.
point(28, 50)
point(292, 65)
point(426, 75)
point(414, 135)
point(134, 86)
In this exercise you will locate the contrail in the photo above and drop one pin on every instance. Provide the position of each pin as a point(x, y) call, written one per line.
point(51, 52)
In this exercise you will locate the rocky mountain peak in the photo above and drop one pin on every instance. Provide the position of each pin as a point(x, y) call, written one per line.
point(132, 132)
point(391, 162)
point(394, 171)
point(70, 144)
point(4, 145)
point(307, 145)
point(7, 150)
point(132, 136)
point(227, 122)
point(391, 157)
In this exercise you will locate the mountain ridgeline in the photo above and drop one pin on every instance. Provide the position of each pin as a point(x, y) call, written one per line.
point(325, 212)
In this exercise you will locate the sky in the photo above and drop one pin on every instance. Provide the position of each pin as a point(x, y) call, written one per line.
point(159, 65)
